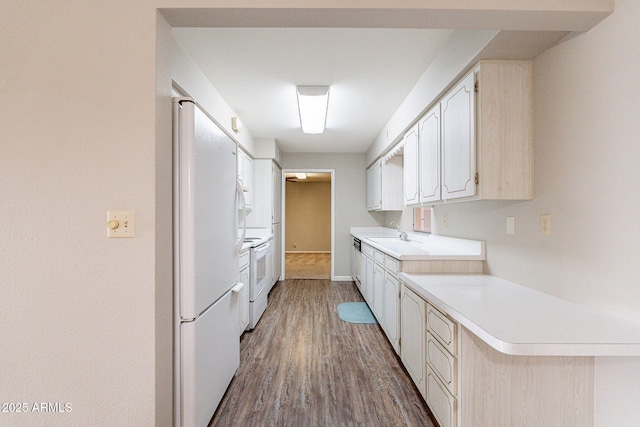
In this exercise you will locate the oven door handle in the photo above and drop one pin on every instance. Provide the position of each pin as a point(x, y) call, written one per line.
point(263, 248)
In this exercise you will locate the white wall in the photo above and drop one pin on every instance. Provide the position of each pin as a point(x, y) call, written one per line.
point(455, 58)
point(191, 79)
point(587, 104)
point(350, 197)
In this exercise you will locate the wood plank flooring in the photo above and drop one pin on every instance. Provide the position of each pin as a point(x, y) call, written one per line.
point(304, 366)
point(304, 265)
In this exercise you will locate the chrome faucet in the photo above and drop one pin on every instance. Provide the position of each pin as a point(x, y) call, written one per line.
point(401, 233)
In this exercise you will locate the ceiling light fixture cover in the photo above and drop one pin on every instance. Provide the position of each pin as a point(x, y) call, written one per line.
point(312, 105)
point(301, 175)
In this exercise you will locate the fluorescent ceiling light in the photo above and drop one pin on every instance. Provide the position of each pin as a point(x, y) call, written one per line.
point(312, 105)
point(301, 175)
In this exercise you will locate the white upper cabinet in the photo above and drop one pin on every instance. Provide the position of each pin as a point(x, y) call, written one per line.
point(245, 176)
point(374, 185)
point(476, 142)
point(458, 141)
point(422, 160)
point(276, 210)
point(384, 181)
point(429, 151)
point(411, 167)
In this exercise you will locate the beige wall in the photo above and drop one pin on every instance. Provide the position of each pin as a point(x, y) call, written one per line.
point(350, 183)
point(77, 138)
point(308, 217)
point(83, 111)
point(587, 104)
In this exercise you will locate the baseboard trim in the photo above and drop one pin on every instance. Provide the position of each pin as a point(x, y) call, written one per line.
point(307, 252)
point(342, 279)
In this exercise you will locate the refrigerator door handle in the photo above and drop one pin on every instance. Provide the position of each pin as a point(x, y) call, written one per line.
point(238, 287)
point(240, 193)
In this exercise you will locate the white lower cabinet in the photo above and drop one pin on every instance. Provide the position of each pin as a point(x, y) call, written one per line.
point(277, 252)
point(364, 280)
point(380, 287)
point(442, 404)
point(428, 349)
point(378, 293)
point(392, 310)
point(369, 289)
point(443, 363)
point(467, 383)
point(413, 323)
point(442, 367)
point(243, 268)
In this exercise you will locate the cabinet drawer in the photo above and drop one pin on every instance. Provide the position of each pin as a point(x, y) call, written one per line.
point(440, 401)
point(392, 265)
point(443, 364)
point(367, 250)
point(243, 260)
point(443, 329)
point(378, 256)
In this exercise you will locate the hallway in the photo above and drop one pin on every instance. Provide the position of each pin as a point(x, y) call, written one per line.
point(308, 265)
point(304, 366)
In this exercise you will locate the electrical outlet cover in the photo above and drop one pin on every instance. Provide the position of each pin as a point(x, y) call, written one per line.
point(545, 224)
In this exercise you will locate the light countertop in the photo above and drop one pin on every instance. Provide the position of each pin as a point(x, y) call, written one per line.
point(421, 246)
point(253, 239)
point(518, 320)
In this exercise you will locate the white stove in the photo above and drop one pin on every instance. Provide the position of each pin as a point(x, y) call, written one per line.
point(260, 265)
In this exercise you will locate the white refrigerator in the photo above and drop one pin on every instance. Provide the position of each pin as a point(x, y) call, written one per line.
point(206, 288)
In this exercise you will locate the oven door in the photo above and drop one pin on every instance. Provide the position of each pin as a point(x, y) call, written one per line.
point(259, 270)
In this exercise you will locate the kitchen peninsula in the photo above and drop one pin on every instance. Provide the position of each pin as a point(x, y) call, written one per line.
point(482, 348)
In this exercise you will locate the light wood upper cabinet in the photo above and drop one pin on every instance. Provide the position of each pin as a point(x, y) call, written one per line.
point(476, 143)
point(504, 136)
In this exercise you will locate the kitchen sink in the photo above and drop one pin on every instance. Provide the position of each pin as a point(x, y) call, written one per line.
point(399, 245)
point(390, 240)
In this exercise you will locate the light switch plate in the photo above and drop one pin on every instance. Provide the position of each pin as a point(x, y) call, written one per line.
point(121, 224)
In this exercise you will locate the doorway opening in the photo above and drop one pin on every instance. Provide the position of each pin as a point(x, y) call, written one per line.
point(308, 223)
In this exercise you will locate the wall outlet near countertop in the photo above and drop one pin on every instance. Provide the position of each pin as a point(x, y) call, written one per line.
point(511, 225)
point(545, 224)
point(445, 221)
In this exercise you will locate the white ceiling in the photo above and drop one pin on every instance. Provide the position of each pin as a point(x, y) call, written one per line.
point(370, 72)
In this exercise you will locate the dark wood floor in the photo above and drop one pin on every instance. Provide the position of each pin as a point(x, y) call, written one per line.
point(303, 366)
